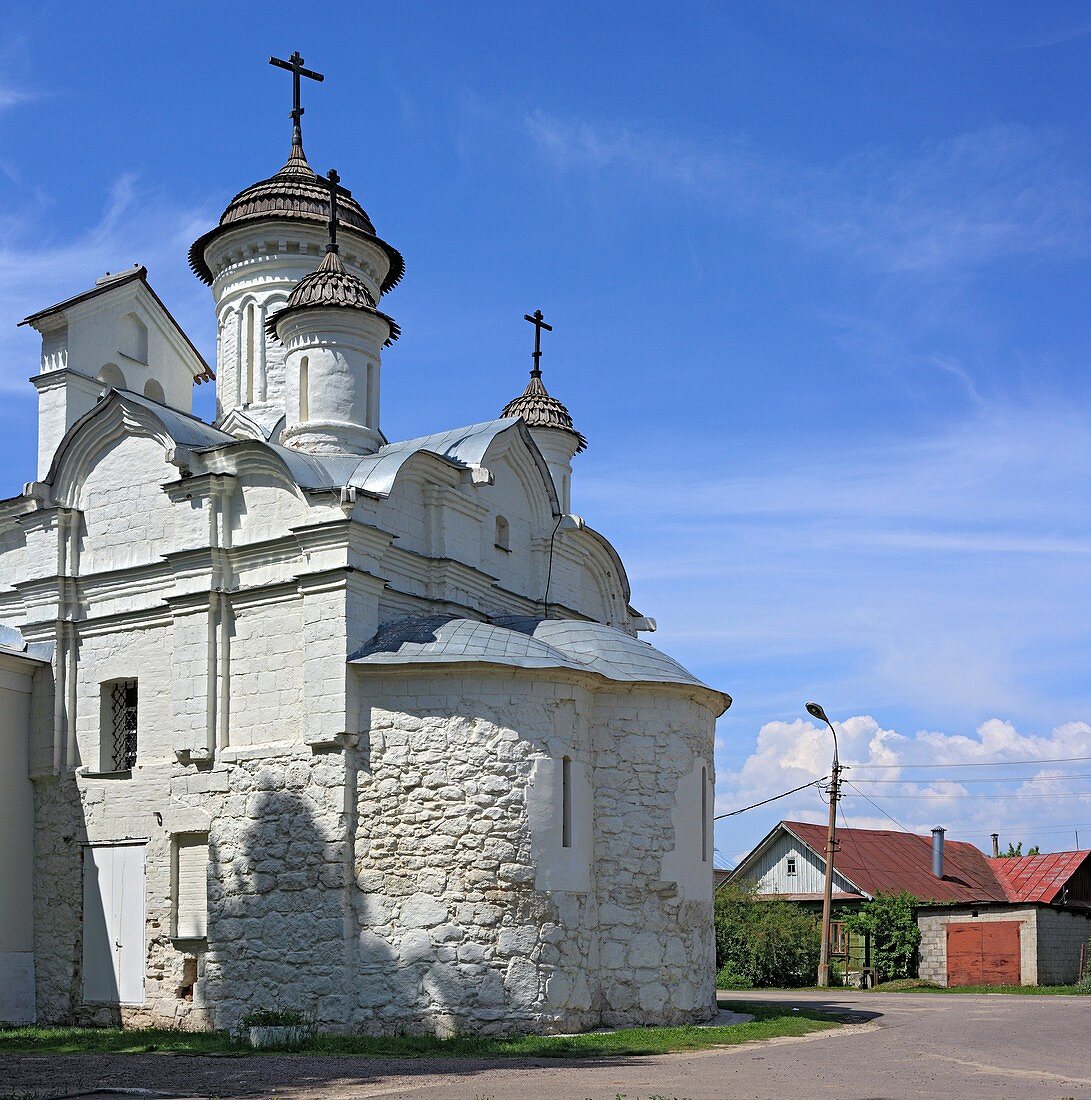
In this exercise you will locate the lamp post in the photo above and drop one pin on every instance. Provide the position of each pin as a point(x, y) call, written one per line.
point(815, 711)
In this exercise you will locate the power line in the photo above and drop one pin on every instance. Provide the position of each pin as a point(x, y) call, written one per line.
point(877, 806)
point(980, 764)
point(765, 802)
point(1044, 796)
point(988, 779)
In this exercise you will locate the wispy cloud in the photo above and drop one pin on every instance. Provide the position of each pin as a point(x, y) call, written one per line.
point(136, 225)
point(944, 205)
point(948, 572)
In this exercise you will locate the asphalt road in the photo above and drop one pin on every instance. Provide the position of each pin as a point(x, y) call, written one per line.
point(908, 1045)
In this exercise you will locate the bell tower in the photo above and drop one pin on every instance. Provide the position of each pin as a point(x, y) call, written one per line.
point(270, 237)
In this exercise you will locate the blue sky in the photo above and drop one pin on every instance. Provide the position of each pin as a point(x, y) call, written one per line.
point(818, 274)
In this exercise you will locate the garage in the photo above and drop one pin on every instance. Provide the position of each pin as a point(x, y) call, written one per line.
point(984, 953)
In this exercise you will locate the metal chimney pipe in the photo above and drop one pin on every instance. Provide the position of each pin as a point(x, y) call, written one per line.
point(937, 851)
point(996, 845)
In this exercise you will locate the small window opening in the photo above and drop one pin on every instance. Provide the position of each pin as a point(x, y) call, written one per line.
point(123, 720)
point(250, 353)
point(304, 389)
point(503, 534)
point(566, 802)
point(704, 815)
point(791, 865)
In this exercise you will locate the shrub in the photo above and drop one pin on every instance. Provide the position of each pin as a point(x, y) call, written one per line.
point(272, 1017)
point(764, 943)
point(895, 937)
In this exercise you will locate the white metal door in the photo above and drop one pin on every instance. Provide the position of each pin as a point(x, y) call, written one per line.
point(113, 923)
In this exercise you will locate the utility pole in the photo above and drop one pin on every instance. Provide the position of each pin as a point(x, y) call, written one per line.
point(816, 711)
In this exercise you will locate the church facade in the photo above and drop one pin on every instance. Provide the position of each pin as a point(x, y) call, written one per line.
point(296, 717)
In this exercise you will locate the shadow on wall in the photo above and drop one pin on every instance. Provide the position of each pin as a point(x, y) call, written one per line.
point(383, 949)
point(279, 929)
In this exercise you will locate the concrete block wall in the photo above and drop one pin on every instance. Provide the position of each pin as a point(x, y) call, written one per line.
point(1060, 936)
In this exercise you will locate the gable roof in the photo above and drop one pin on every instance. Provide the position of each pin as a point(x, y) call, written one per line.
point(875, 860)
point(1037, 878)
point(887, 860)
point(136, 273)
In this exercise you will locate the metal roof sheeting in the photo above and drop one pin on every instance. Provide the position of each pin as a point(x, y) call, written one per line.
point(880, 859)
point(1037, 878)
point(524, 643)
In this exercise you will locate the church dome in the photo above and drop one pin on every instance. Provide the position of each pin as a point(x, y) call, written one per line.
point(539, 410)
point(330, 286)
point(297, 193)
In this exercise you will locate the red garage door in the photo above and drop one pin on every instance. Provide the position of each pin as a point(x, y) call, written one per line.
point(983, 954)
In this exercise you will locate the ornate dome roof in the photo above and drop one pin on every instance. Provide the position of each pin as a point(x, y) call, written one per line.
point(330, 286)
point(539, 410)
point(296, 192)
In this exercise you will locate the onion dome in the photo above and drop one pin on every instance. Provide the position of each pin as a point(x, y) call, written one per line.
point(539, 410)
point(330, 286)
point(295, 193)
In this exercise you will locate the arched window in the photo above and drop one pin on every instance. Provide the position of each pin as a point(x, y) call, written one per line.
point(503, 534)
point(111, 375)
point(154, 390)
point(304, 389)
point(704, 815)
point(566, 802)
point(250, 327)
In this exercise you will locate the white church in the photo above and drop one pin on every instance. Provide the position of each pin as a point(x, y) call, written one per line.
point(296, 717)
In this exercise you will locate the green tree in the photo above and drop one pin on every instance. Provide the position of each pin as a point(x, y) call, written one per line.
point(890, 921)
point(1016, 850)
point(764, 943)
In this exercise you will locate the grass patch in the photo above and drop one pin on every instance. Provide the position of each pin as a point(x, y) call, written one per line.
point(770, 1021)
point(915, 985)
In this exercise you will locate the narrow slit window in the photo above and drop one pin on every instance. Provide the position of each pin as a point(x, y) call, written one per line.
point(503, 534)
point(123, 722)
point(566, 802)
point(304, 388)
point(704, 815)
point(791, 865)
point(250, 353)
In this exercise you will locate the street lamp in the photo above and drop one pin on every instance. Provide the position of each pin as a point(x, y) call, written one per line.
point(815, 711)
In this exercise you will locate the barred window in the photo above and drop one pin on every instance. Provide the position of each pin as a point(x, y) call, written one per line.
point(122, 713)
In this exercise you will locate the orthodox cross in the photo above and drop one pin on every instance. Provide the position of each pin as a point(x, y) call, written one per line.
point(334, 179)
point(537, 319)
point(294, 65)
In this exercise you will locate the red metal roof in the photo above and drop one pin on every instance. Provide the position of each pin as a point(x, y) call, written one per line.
point(1037, 878)
point(880, 859)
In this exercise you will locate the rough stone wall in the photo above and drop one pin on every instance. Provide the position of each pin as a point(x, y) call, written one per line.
point(277, 937)
point(933, 946)
point(1060, 936)
point(657, 947)
point(444, 865)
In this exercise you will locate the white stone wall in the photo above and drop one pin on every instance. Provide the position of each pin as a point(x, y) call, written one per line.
point(16, 842)
point(410, 880)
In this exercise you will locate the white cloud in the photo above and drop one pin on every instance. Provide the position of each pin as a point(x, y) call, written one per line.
point(945, 205)
point(970, 802)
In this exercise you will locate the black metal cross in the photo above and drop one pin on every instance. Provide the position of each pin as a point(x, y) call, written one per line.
point(538, 321)
point(334, 179)
point(294, 65)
